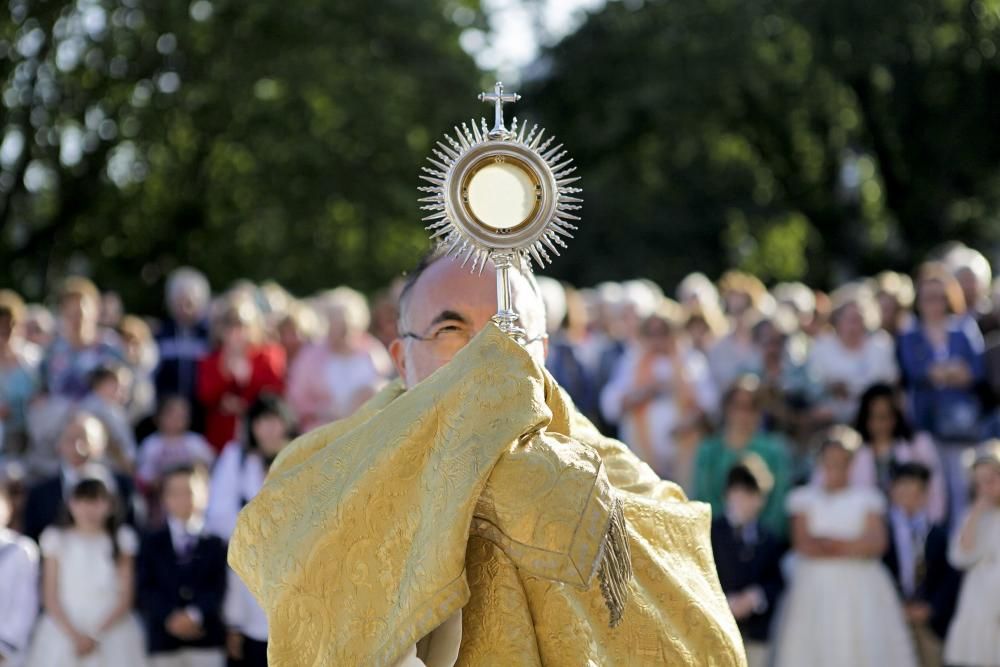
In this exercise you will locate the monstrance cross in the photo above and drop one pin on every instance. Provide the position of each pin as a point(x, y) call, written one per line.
point(498, 97)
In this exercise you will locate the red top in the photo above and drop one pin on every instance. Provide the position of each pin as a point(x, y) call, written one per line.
point(267, 372)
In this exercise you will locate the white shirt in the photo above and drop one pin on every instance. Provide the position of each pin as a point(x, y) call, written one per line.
point(830, 362)
point(18, 595)
point(238, 477)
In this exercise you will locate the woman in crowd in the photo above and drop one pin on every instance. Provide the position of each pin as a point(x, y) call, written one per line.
point(855, 356)
point(659, 386)
point(81, 345)
point(238, 370)
point(974, 637)
point(741, 436)
point(888, 441)
point(332, 378)
point(842, 608)
point(238, 476)
point(18, 379)
point(87, 586)
point(942, 363)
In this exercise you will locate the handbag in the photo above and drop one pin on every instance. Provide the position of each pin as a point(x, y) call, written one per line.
point(957, 417)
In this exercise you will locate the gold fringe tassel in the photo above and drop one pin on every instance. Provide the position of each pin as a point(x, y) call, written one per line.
point(616, 565)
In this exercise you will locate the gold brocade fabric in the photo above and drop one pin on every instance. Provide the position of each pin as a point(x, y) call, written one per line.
point(481, 488)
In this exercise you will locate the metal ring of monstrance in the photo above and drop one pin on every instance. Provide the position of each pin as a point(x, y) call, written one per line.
point(500, 195)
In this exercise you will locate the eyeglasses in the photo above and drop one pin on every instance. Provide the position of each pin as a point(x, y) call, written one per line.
point(449, 339)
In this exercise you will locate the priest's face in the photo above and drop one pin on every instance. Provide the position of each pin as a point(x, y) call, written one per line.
point(447, 306)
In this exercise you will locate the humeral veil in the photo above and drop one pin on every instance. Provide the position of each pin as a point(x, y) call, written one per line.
point(480, 489)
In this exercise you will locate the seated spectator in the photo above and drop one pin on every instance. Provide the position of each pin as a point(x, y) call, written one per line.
point(239, 368)
point(887, 442)
point(659, 386)
point(332, 378)
point(109, 386)
point(18, 587)
point(973, 638)
point(237, 478)
point(173, 444)
point(918, 560)
point(81, 345)
point(82, 441)
point(18, 378)
point(182, 578)
point(748, 557)
point(841, 607)
point(855, 356)
point(87, 584)
point(741, 436)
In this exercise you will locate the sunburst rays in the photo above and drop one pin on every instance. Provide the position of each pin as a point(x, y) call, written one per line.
point(450, 236)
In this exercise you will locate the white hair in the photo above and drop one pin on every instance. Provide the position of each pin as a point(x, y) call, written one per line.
point(698, 286)
point(351, 303)
point(554, 299)
point(188, 280)
point(963, 257)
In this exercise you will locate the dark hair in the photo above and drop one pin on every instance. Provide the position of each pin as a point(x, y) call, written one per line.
point(166, 401)
point(746, 383)
point(94, 487)
point(267, 405)
point(102, 373)
point(901, 430)
point(910, 471)
point(742, 477)
point(183, 470)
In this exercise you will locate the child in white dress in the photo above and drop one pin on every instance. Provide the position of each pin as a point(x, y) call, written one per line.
point(842, 608)
point(87, 586)
point(974, 636)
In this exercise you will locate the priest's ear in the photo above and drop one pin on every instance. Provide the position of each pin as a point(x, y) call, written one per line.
point(397, 350)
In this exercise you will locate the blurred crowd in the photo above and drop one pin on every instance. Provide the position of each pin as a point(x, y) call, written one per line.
point(846, 442)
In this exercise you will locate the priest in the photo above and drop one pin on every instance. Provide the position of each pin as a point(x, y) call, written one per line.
point(469, 515)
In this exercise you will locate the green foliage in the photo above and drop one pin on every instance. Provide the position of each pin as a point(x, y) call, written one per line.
point(257, 139)
point(795, 139)
point(282, 140)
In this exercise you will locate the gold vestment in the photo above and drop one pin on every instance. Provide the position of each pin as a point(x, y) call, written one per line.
point(483, 489)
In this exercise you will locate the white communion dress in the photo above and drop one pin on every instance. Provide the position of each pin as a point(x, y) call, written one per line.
point(841, 611)
point(88, 592)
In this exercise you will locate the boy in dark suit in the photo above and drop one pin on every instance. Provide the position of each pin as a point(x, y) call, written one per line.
point(748, 557)
point(182, 578)
point(917, 557)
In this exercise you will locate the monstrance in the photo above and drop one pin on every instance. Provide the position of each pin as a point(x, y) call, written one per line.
point(500, 195)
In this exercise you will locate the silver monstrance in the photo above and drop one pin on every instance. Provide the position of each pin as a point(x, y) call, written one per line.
point(500, 195)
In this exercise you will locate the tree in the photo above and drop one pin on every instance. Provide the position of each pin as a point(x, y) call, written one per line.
point(795, 139)
point(276, 140)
